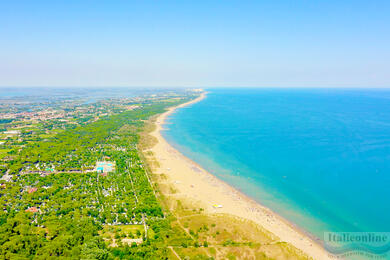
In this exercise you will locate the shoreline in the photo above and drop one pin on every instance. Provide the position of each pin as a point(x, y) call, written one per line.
point(216, 196)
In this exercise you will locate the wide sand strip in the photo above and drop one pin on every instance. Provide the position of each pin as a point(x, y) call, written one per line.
point(216, 196)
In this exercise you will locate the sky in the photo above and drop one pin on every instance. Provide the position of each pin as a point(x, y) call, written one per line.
point(195, 43)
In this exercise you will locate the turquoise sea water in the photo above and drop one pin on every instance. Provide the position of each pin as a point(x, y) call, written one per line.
point(318, 157)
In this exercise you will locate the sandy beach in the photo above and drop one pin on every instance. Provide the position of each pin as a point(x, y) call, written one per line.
point(216, 196)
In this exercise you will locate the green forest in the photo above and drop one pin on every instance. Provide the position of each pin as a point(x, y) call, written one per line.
point(76, 212)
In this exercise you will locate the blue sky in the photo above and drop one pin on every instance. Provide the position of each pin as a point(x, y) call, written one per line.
point(195, 43)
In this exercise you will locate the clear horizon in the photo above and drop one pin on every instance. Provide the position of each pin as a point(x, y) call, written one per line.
point(195, 44)
point(198, 87)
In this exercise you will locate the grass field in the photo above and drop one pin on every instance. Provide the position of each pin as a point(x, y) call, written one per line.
point(114, 234)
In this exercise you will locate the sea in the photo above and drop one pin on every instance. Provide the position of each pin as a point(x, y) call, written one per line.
point(319, 158)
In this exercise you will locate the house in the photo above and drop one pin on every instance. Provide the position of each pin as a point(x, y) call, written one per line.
point(32, 210)
point(32, 190)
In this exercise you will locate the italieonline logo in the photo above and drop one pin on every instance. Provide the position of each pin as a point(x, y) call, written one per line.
point(374, 244)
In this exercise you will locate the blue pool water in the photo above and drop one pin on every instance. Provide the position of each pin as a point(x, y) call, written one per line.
point(318, 157)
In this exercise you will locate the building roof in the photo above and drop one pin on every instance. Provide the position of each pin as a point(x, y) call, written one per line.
point(32, 209)
point(33, 189)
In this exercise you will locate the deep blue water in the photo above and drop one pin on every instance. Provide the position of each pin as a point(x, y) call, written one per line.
point(318, 157)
